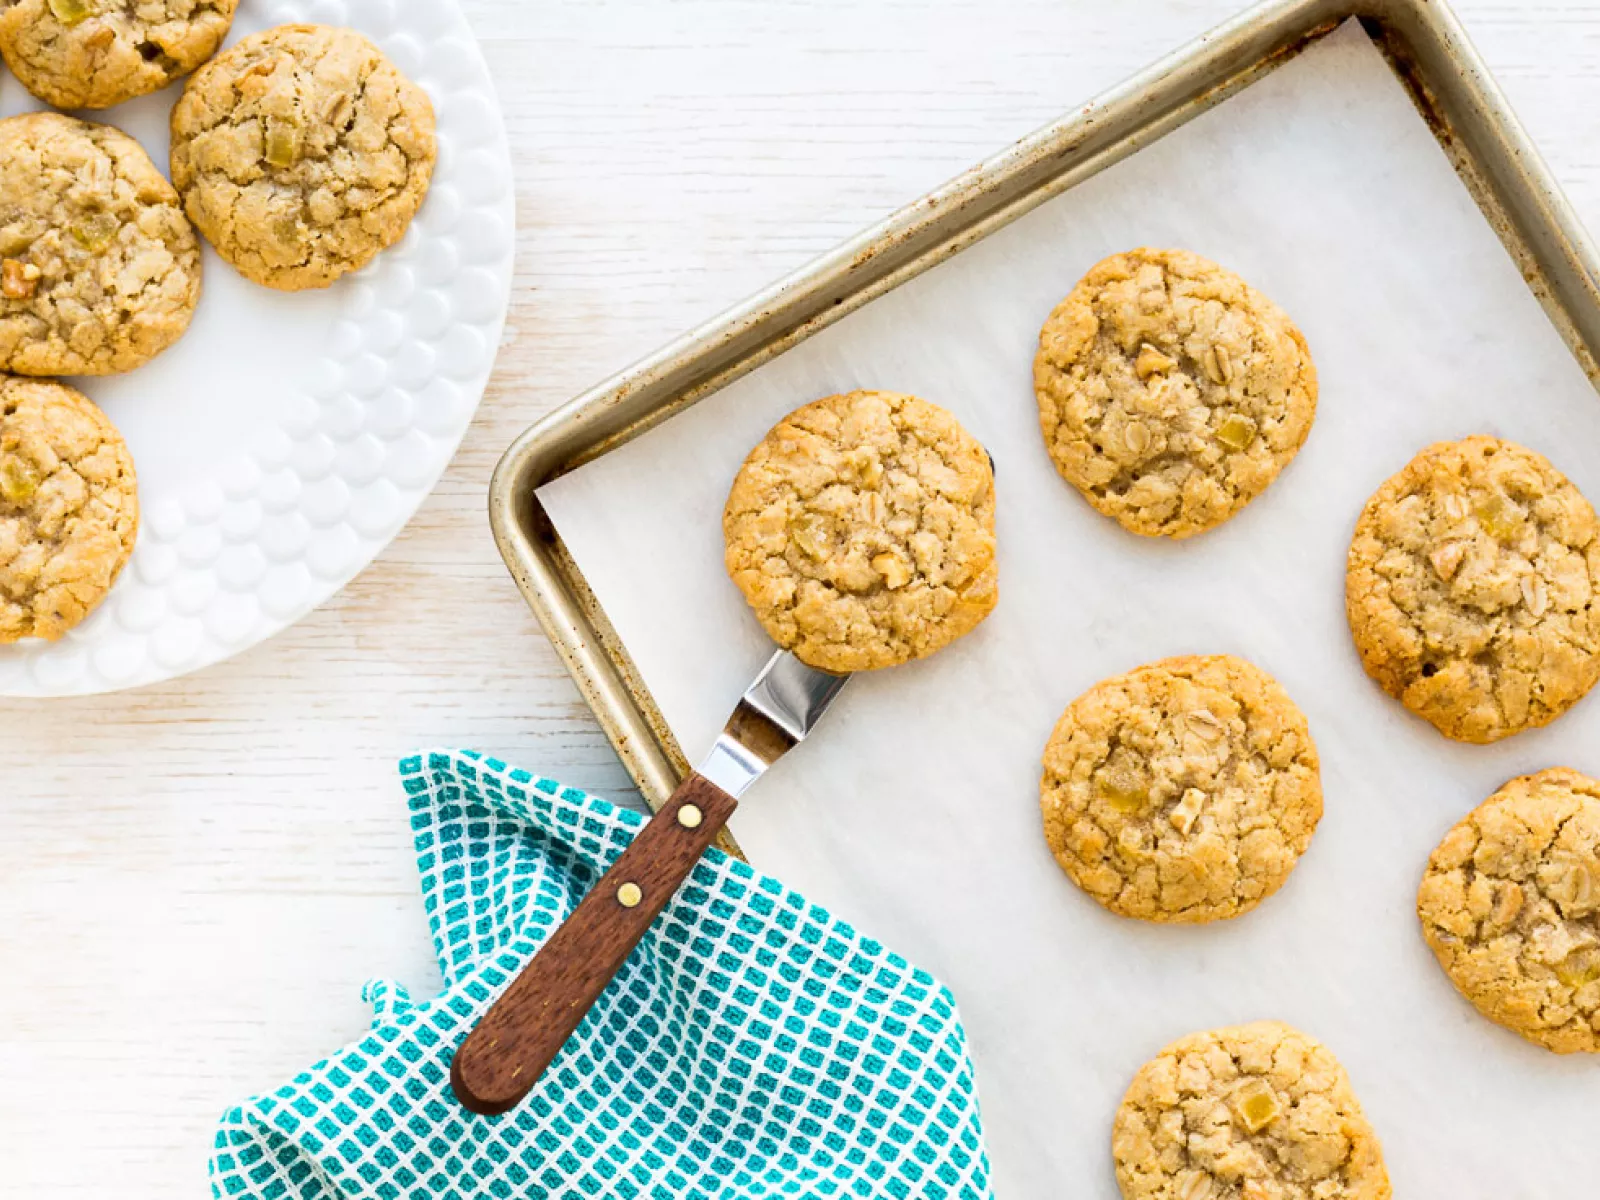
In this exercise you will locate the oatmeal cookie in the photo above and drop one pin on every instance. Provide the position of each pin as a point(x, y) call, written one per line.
point(1510, 904)
point(99, 270)
point(96, 53)
point(1183, 791)
point(1171, 393)
point(301, 152)
point(69, 508)
point(1249, 1112)
point(1472, 589)
point(861, 530)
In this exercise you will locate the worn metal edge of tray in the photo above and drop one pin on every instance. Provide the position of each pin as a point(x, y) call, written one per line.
point(1424, 44)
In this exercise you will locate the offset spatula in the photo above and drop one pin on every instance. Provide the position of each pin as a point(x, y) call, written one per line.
point(524, 1030)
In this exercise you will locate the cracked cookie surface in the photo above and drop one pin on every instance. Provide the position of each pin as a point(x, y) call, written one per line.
point(861, 530)
point(1473, 589)
point(1171, 393)
point(1248, 1112)
point(99, 269)
point(301, 153)
point(69, 508)
point(1510, 904)
point(1185, 790)
point(96, 53)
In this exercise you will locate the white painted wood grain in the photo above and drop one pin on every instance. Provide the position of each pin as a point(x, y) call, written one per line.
point(197, 877)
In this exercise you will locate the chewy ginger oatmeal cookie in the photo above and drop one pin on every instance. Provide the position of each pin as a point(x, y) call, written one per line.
point(1249, 1112)
point(861, 530)
point(99, 269)
point(301, 152)
point(1171, 393)
point(1472, 589)
point(96, 53)
point(1183, 791)
point(1510, 904)
point(69, 508)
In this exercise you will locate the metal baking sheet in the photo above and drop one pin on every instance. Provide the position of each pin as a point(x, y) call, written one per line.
point(915, 811)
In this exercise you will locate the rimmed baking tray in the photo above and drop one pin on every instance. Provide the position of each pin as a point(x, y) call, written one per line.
point(1423, 43)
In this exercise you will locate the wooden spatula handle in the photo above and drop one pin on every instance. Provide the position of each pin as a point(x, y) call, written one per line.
point(526, 1027)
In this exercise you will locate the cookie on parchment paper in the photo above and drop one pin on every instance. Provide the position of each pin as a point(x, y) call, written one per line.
point(1510, 904)
point(1183, 791)
point(1248, 1112)
point(861, 531)
point(96, 53)
point(69, 508)
point(1473, 589)
point(1171, 393)
point(301, 152)
point(99, 268)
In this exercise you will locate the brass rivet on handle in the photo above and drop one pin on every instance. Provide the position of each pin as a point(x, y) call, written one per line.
point(629, 895)
point(689, 816)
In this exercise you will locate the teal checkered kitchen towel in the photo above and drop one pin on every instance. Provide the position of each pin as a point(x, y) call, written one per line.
point(753, 1046)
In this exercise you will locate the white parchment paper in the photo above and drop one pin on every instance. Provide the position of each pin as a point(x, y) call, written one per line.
point(914, 811)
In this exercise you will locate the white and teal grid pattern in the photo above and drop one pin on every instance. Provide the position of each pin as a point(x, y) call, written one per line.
point(753, 1046)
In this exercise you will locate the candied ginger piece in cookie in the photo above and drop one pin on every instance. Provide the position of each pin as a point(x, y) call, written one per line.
point(861, 531)
point(1183, 791)
point(301, 153)
point(1171, 393)
point(99, 268)
point(1248, 1112)
point(1510, 904)
point(69, 508)
point(1473, 589)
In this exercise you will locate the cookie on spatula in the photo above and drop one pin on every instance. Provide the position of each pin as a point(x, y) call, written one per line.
point(861, 531)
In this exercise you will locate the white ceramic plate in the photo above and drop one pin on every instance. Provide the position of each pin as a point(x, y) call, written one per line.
point(288, 437)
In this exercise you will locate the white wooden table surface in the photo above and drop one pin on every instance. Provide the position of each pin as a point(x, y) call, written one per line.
point(196, 878)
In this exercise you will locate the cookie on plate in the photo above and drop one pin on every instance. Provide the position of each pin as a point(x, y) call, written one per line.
point(1171, 393)
point(1473, 589)
point(861, 530)
point(1510, 904)
point(99, 269)
point(1183, 791)
point(69, 508)
point(301, 152)
point(1248, 1112)
point(96, 53)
